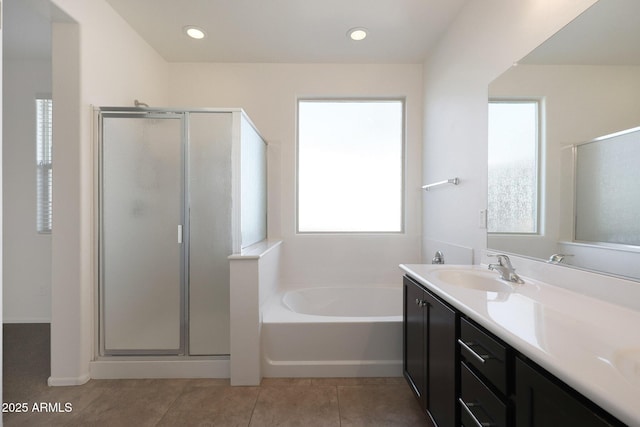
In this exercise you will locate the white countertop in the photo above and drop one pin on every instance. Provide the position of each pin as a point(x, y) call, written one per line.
point(592, 345)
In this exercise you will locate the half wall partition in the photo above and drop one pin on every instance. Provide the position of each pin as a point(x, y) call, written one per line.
point(178, 192)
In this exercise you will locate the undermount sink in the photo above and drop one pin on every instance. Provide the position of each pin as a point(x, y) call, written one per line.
point(480, 280)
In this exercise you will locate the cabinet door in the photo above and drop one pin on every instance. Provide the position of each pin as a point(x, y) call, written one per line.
point(442, 362)
point(542, 403)
point(415, 339)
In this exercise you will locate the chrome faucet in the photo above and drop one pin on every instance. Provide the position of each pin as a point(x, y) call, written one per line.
point(506, 270)
point(557, 258)
point(438, 258)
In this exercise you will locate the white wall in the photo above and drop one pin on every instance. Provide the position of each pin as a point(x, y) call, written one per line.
point(1, 191)
point(97, 60)
point(27, 255)
point(486, 38)
point(268, 93)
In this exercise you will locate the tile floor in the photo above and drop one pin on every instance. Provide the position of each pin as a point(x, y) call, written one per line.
point(307, 402)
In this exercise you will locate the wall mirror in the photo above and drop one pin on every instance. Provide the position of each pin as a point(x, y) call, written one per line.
point(584, 86)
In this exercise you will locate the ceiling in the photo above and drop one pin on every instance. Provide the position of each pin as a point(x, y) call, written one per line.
point(303, 31)
point(607, 33)
point(296, 31)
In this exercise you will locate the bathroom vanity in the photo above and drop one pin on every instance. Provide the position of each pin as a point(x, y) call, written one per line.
point(481, 351)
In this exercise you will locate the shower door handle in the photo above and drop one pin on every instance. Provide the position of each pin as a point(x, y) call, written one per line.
point(180, 233)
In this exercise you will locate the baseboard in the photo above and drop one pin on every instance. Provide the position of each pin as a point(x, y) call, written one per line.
point(27, 320)
point(331, 368)
point(127, 369)
point(67, 381)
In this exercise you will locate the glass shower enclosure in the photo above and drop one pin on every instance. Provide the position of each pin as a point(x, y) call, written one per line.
point(178, 192)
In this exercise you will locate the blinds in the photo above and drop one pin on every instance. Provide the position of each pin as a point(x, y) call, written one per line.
point(43, 165)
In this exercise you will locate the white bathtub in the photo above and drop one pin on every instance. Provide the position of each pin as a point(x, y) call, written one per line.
point(333, 332)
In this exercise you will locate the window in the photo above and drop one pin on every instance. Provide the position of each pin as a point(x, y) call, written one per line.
point(513, 166)
point(43, 164)
point(350, 165)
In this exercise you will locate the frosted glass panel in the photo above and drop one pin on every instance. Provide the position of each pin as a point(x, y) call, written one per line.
point(350, 166)
point(210, 241)
point(253, 186)
point(607, 190)
point(141, 258)
point(513, 167)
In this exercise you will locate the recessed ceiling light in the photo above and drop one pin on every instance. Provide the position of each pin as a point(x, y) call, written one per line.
point(357, 34)
point(194, 32)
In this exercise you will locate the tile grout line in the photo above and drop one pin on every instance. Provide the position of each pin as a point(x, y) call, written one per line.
point(339, 412)
point(184, 387)
point(255, 403)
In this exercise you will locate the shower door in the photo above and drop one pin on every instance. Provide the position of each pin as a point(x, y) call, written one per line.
point(142, 259)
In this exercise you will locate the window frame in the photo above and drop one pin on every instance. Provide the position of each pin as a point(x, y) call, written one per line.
point(403, 162)
point(538, 163)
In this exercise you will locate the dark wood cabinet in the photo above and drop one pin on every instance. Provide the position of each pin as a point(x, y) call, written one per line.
point(415, 340)
point(430, 355)
point(464, 375)
point(541, 401)
point(486, 372)
point(442, 362)
point(479, 405)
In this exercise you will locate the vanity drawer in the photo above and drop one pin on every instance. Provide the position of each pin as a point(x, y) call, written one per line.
point(479, 406)
point(485, 354)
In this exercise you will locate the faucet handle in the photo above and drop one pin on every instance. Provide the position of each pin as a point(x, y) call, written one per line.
point(557, 258)
point(503, 260)
point(507, 272)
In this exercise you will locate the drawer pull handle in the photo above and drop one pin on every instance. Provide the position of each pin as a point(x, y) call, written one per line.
point(480, 357)
point(467, 408)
